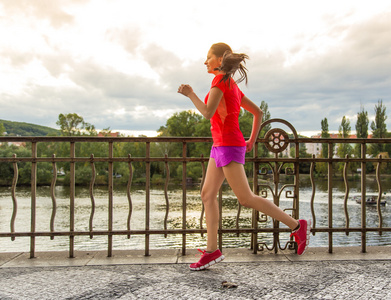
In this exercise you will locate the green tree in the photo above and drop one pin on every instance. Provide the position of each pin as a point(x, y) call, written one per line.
point(379, 127)
point(202, 129)
point(344, 148)
point(24, 168)
point(73, 124)
point(362, 124)
point(2, 129)
point(325, 134)
point(322, 167)
point(136, 149)
point(262, 150)
point(246, 124)
point(361, 129)
point(182, 124)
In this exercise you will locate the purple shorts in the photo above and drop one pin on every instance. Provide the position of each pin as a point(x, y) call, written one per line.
point(223, 155)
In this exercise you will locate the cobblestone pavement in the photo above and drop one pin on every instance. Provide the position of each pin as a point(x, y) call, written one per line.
point(370, 279)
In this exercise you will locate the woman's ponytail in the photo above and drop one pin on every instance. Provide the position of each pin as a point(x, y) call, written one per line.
point(231, 62)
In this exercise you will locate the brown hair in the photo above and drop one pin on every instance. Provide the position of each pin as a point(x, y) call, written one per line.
point(231, 62)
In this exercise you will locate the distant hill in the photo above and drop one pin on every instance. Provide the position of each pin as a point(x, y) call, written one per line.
point(27, 129)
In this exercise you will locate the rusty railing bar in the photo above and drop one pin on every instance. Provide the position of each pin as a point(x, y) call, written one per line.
point(254, 223)
point(128, 187)
point(186, 231)
point(166, 193)
point(312, 168)
point(330, 193)
point(220, 232)
point(110, 207)
point(194, 159)
point(201, 186)
point(184, 203)
point(345, 178)
point(92, 182)
point(147, 195)
point(380, 191)
point(13, 195)
point(33, 196)
point(363, 197)
point(53, 195)
point(72, 199)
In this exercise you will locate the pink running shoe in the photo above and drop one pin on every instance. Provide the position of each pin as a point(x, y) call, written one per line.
point(206, 260)
point(302, 236)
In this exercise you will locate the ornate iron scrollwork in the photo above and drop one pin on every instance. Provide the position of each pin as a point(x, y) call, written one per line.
point(277, 140)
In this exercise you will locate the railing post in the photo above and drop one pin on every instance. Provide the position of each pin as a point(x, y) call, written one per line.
point(110, 208)
point(72, 201)
point(184, 203)
point(254, 235)
point(363, 198)
point(147, 195)
point(276, 201)
point(220, 235)
point(330, 194)
point(33, 197)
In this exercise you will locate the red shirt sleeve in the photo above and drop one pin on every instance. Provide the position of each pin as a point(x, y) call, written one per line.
point(224, 85)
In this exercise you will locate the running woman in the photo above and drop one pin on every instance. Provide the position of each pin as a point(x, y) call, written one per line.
point(222, 107)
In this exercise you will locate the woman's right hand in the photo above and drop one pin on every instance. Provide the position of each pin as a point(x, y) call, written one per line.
point(185, 90)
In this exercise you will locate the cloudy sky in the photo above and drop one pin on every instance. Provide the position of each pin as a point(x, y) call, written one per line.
point(118, 63)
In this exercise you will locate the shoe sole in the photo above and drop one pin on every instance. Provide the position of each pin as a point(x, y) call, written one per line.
point(308, 236)
point(211, 263)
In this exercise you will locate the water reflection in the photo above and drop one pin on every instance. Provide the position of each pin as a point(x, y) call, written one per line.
point(158, 207)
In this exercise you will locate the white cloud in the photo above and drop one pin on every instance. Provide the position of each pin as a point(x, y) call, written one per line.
point(119, 64)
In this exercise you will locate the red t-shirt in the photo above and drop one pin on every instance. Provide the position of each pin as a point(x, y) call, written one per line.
point(225, 122)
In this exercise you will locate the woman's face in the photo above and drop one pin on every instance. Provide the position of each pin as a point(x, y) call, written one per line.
point(212, 62)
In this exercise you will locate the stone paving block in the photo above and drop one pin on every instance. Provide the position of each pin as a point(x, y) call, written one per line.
point(44, 259)
point(8, 256)
point(121, 257)
point(342, 253)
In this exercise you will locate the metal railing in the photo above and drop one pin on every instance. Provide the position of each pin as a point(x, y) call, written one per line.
point(275, 140)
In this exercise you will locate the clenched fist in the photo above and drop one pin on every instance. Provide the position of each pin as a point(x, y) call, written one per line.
point(185, 89)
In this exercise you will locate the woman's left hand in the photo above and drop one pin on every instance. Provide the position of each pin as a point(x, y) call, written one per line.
point(185, 90)
point(249, 146)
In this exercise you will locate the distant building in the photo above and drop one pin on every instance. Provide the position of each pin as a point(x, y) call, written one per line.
point(108, 134)
point(316, 148)
point(17, 144)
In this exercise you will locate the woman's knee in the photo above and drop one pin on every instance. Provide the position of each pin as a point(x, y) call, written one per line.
point(207, 196)
point(246, 200)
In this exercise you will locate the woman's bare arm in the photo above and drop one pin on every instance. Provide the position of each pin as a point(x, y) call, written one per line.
point(207, 110)
point(256, 111)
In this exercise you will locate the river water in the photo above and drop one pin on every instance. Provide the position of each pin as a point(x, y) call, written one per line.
point(158, 205)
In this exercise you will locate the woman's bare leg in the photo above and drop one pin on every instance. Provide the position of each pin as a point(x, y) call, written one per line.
point(236, 177)
point(213, 181)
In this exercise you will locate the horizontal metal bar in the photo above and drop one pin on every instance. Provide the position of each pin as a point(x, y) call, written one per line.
point(104, 159)
point(93, 139)
point(188, 231)
point(187, 159)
